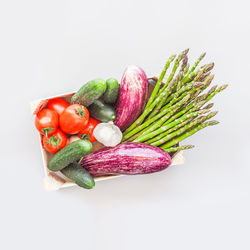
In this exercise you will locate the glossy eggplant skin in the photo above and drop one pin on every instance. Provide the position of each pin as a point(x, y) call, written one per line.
point(132, 96)
point(126, 158)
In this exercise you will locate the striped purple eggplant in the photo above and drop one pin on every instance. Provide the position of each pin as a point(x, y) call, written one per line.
point(132, 96)
point(126, 158)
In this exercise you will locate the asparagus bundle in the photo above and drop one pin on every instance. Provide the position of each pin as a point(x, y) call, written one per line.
point(175, 109)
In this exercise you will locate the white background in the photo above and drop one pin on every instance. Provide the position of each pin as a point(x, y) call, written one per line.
point(51, 47)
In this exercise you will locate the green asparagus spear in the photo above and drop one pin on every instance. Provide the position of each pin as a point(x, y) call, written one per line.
point(162, 116)
point(184, 91)
point(197, 62)
point(160, 136)
point(158, 83)
point(180, 131)
point(155, 130)
point(165, 120)
point(218, 90)
point(177, 62)
point(188, 133)
point(208, 106)
point(144, 114)
point(193, 123)
point(189, 109)
point(168, 91)
point(175, 149)
point(149, 109)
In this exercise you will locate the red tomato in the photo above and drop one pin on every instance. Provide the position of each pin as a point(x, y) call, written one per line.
point(47, 121)
point(58, 105)
point(87, 133)
point(74, 118)
point(55, 142)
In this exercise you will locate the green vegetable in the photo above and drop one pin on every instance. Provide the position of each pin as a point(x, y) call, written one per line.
point(101, 111)
point(79, 175)
point(173, 84)
point(177, 126)
point(69, 154)
point(173, 110)
point(150, 108)
point(166, 113)
point(89, 92)
point(157, 129)
point(174, 149)
point(197, 62)
point(112, 90)
point(158, 83)
point(169, 136)
point(188, 133)
point(176, 64)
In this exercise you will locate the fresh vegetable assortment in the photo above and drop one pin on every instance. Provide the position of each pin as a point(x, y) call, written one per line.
point(153, 125)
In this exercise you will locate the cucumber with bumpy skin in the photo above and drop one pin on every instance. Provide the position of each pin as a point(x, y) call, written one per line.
point(79, 175)
point(112, 90)
point(101, 111)
point(89, 92)
point(69, 154)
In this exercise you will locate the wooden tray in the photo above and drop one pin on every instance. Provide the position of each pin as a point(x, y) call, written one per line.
point(56, 180)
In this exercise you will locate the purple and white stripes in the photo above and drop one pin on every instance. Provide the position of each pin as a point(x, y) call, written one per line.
point(132, 96)
point(126, 158)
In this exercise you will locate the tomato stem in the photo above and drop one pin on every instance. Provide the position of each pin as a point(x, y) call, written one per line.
point(54, 141)
point(47, 130)
point(85, 137)
point(81, 112)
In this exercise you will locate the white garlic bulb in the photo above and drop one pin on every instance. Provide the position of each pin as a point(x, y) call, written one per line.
point(108, 134)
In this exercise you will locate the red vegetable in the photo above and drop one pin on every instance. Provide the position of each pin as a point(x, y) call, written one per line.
point(132, 96)
point(74, 118)
point(126, 158)
point(46, 121)
point(58, 105)
point(55, 142)
point(87, 132)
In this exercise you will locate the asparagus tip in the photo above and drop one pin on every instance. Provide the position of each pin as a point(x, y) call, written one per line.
point(197, 84)
point(201, 103)
point(204, 111)
point(211, 123)
point(185, 51)
point(203, 55)
point(187, 147)
point(212, 114)
point(209, 106)
point(172, 57)
point(209, 67)
point(224, 86)
point(210, 77)
point(185, 60)
point(212, 89)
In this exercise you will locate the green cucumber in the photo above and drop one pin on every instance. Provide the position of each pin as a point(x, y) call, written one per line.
point(112, 90)
point(101, 111)
point(72, 152)
point(89, 92)
point(79, 175)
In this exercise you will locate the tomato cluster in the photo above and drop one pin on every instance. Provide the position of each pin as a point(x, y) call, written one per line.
point(61, 118)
